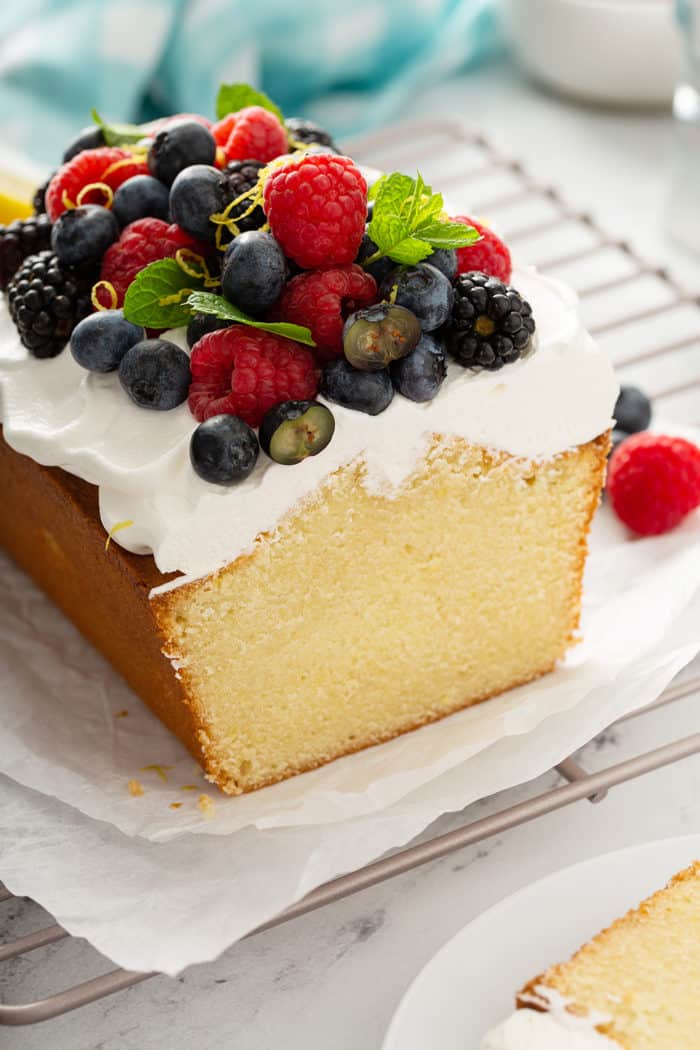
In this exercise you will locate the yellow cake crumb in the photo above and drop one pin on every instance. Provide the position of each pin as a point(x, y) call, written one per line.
point(206, 807)
point(122, 714)
point(157, 768)
point(135, 788)
point(175, 805)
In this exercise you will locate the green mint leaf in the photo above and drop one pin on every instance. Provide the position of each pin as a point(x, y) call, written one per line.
point(232, 97)
point(118, 134)
point(447, 234)
point(208, 303)
point(145, 302)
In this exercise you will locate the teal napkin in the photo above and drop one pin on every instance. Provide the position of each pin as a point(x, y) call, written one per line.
point(352, 66)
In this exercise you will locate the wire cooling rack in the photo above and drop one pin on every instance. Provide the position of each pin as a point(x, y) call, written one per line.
point(651, 325)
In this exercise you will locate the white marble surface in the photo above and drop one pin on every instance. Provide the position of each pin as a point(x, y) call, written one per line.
point(333, 978)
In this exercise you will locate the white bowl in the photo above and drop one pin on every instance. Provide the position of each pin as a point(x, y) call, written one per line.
point(620, 52)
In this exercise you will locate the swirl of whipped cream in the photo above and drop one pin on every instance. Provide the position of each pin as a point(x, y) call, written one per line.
point(560, 395)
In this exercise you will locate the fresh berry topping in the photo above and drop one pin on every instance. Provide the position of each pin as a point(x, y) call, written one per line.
point(316, 207)
point(100, 341)
point(140, 197)
point(307, 133)
point(423, 290)
point(242, 176)
point(83, 235)
point(444, 260)
point(20, 239)
point(369, 392)
point(197, 193)
point(46, 301)
point(140, 244)
point(632, 411)
point(88, 168)
point(381, 267)
point(176, 146)
point(203, 324)
point(488, 255)
point(294, 430)
point(491, 325)
point(378, 335)
point(251, 132)
point(224, 450)
point(654, 482)
point(245, 371)
point(88, 138)
point(322, 300)
point(254, 272)
point(420, 375)
point(155, 374)
point(39, 199)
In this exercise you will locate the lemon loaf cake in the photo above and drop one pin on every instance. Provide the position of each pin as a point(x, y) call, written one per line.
point(635, 985)
point(347, 491)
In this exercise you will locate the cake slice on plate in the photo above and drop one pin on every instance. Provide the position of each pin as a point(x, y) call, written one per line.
point(340, 504)
point(636, 985)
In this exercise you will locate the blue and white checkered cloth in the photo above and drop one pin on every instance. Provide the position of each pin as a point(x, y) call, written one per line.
point(349, 65)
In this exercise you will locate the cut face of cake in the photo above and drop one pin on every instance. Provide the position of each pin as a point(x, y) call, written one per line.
point(325, 531)
point(635, 985)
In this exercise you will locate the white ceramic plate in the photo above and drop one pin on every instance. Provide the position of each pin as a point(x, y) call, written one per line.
point(468, 987)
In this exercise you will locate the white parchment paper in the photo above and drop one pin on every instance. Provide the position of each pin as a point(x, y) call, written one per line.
point(161, 888)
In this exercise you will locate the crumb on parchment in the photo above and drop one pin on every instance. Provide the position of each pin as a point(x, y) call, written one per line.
point(122, 714)
point(135, 788)
point(158, 768)
point(176, 805)
point(206, 806)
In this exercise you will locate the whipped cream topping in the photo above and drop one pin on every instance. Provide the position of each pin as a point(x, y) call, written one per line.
point(531, 1030)
point(560, 395)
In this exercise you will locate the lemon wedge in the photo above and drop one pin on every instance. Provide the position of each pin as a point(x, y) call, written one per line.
point(16, 195)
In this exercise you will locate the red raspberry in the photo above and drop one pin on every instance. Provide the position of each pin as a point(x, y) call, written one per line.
point(141, 243)
point(490, 254)
point(316, 208)
point(245, 371)
point(654, 482)
point(252, 133)
point(122, 170)
point(88, 166)
point(322, 300)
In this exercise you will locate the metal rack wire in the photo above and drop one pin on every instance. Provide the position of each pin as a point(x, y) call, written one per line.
point(470, 159)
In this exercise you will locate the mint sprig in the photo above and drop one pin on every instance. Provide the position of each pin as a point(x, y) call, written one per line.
point(232, 97)
point(408, 221)
point(157, 298)
point(208, 303)
point(118, 134)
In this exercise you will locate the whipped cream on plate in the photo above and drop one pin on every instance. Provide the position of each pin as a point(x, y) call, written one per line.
point(531, 1030)
point(560, 395)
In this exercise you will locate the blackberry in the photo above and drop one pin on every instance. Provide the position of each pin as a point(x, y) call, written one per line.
point(241, 176)
point(46, 301)
point(39, 199)
point(491, 324)
point(18, 240)
point(306, 131)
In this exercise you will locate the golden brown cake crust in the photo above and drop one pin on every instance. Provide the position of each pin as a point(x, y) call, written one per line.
point(51, 526)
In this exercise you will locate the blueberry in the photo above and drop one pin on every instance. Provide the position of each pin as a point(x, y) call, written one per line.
point(294, 430)
point(83, 235)
point(224, 450)
point(155, 374)
point(424, 291)
point(140, 197)
point(176, 147)
point(420, 375)
point(203, 324)
point(444, 260)
point(378, 335)
point(379, 269)
point(254, 271)
point(632, 410)
point(198, 192)
point(369, 392)
point(89, 138)
point(100, 341)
